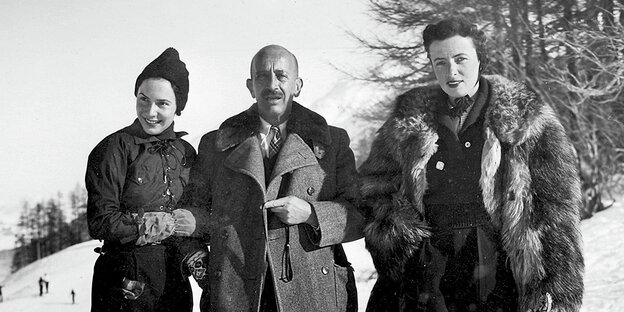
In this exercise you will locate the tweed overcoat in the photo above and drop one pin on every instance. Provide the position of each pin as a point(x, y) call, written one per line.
point(529, 182)
point(228, 190)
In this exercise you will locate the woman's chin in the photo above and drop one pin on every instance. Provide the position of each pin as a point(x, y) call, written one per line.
point(454, 92)
point(153, 130)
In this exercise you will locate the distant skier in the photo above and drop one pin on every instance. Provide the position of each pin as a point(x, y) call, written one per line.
point(1, 298)
point(73, 295)
point(41, 286)
point(45, 280)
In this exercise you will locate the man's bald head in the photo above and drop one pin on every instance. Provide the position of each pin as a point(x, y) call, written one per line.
point(274, 50)
point(274, 82)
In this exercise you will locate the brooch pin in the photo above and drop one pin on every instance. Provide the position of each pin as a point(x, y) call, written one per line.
point(319, 151)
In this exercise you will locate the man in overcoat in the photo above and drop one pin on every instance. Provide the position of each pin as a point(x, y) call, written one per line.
point(273, 192)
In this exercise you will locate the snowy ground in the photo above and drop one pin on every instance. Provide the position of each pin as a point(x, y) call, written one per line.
point(73, 267)
point(603, 238)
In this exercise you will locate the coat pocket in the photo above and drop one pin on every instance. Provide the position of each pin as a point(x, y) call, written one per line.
point(140, 175)
point(345, 288)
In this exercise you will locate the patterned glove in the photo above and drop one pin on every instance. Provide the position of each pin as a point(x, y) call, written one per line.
point(197, 263)
point(184, 222)
point(155, 227)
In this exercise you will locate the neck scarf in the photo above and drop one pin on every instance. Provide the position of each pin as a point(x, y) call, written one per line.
point(461, 105)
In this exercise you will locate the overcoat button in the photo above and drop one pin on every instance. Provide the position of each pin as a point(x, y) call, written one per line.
point(217, 274)
point(467, 144)
point(140, 180)
point(162, 208)
point(324, 270)
point(310, 190)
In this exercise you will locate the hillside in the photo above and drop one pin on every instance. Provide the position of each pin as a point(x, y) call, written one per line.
point(72, 269)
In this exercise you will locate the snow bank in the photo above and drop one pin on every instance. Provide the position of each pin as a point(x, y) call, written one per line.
point(603, 247)
point(72, 268)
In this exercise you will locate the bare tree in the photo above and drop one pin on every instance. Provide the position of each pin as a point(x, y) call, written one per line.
point(569, 51)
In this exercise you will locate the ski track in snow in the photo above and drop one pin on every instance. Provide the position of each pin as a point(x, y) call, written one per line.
point(72, 268)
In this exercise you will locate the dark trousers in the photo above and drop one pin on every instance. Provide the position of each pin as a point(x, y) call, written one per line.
point(267, 300)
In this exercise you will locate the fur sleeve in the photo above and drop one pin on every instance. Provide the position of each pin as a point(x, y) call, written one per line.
point(394, 229)
point(557, 201)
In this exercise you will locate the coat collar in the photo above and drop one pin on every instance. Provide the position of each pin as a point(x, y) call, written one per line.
point(513, 112)
point(140, 137)
point(310, 126)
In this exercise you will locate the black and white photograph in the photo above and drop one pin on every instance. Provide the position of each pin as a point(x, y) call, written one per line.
point(300, 155)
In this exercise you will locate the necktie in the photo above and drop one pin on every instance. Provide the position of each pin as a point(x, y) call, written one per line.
point(276, 141)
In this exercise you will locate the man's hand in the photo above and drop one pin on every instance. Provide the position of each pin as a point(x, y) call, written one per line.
point(293, 210)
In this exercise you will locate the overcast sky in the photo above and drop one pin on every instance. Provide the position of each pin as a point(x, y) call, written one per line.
point(68, 67)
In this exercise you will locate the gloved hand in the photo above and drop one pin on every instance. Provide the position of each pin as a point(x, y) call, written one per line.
point(197, 264)
point(184, 222)
point(155, 227)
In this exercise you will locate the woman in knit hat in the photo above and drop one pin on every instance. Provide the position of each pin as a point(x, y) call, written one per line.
point(134, 178)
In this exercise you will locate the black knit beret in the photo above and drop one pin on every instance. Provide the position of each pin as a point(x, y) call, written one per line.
point(168, 66)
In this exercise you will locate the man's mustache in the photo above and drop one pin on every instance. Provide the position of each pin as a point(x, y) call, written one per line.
point(271, 93)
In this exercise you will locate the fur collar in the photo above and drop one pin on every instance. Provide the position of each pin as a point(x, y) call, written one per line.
point(310, 126)
point(514, 111)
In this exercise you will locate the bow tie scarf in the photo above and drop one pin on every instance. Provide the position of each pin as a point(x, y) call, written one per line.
point(460, 106)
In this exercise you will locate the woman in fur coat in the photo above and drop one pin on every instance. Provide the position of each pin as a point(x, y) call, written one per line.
point(473, 192)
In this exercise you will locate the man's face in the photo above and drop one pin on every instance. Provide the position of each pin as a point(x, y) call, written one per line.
point(456, 65)
point(274, 83)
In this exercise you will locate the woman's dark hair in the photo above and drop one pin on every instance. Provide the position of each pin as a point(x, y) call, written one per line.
point(454, 26)
point(179, 98)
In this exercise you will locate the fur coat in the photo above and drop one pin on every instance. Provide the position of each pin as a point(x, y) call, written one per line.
point(529, 182)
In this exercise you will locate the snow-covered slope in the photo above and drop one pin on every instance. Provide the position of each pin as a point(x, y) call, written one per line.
point(603, 238)
point(72, 268)
point(69, 269)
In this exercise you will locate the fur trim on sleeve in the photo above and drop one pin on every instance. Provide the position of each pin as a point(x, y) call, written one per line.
point(394, 236)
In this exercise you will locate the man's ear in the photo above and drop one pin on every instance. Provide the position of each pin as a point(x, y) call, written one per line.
point(299, 85)
point(250, 88)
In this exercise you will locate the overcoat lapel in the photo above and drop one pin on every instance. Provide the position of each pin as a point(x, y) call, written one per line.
point(246, 158)
point(294, 154)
